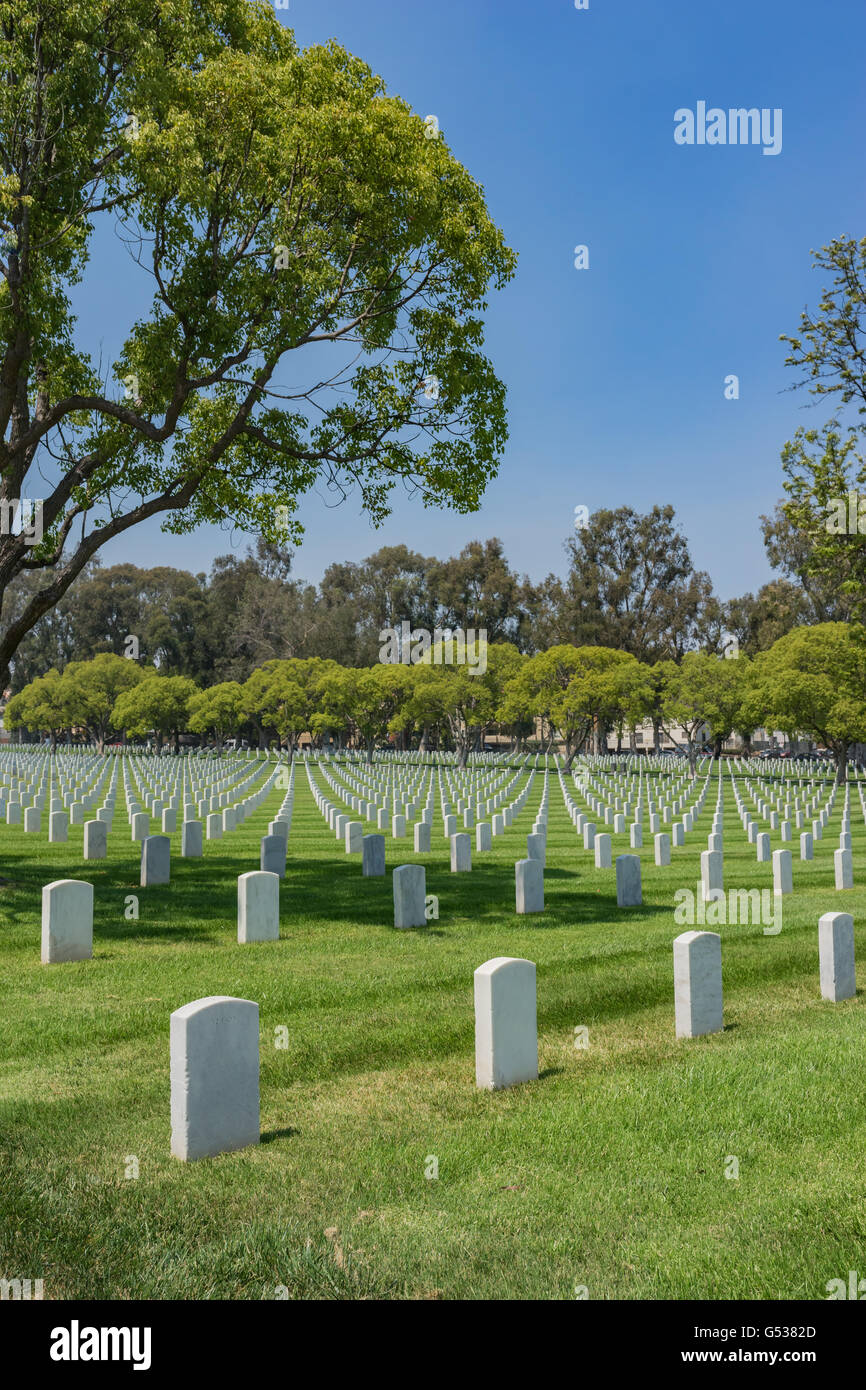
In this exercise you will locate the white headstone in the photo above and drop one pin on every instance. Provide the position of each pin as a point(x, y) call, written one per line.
point(155, 860)
point(698, 983)
point(782, 874)
point(258, 906)
point(662, 843)
point(461, 853)
point(836, 956)
point(95, 839)
point(214, 1077)
point(536, 846)
point(506, 1030)
point(272, 855)
point(843, 865)
point(603, 859)
point(191, 840)
point(529, 885)
point(628, 883)
point(711, 873)
point(67, 921)
point(410, 891)
point(373, 856)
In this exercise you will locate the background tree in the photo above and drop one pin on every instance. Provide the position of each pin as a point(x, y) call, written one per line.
point(727, 685)
point(631, 586)
point(465, 703)
point(825, 477)
point(813, 681)
point(280, 203)
point(477, 589)
point(378, 701)
point(91, 690)
point(218, 711)
point(426, 703)
point(285, 696)
point(40, 707)
point(822, 464)
point(758, 620)
point(578, 691)
point(691, 697)
point(157, 705)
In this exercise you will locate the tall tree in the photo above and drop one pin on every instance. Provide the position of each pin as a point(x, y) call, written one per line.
point(822, 465)
point(477, 589)
point(40, 707)
point(158, 705)
point(218, 710)
point(813, 681)
point(631, 586)
point(280, 207)
point(758, 620)
point(91, 689)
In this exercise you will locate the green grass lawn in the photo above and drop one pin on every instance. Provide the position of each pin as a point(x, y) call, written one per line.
point(608, 1173)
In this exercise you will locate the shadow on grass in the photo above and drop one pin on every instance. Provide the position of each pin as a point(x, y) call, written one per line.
point(200, 902)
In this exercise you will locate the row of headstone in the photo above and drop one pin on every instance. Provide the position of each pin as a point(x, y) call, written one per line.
point(214, 1042)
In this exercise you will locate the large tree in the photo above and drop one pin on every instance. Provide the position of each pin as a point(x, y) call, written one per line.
point(286, 696)
point(576, 691)
point(91, 689)
point(477, 589)
point(822, 465)
point(316, 269)
point(813, 681)
point(758, 620)
point(632, 586)
point(218, 711)
point(158, 705)
point(40, 707)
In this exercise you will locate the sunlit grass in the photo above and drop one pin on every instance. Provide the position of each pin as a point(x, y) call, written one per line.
point(608, 1172)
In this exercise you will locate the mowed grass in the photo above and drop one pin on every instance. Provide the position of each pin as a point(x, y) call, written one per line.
point(607, 1174)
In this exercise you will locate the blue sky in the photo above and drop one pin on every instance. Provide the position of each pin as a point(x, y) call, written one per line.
point(699, 258)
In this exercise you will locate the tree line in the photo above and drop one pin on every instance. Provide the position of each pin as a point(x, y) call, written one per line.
point(812, 682)
point(629, 584)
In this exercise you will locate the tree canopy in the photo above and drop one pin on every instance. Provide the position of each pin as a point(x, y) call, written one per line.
point(313, 262)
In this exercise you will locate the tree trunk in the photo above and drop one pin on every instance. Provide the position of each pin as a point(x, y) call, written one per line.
point(842, 763)
point(371, 742)
point(657, 736)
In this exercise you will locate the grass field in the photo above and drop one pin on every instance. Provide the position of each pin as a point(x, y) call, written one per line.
point(607, 1174)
